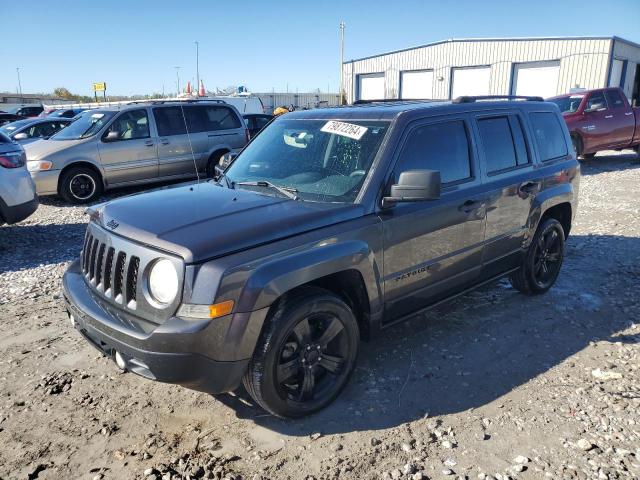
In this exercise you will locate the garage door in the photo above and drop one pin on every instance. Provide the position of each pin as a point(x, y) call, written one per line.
point(470, 81)
point(371, 86)
point(416, 84)
point(539, 78)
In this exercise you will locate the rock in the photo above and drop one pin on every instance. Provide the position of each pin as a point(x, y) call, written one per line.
point(374, 441)
point(409, 469)
point(584, 444)
point(315, 436)
point(450, 462)
point(119, 455)
point(418, 476)
point(521, 459)
point(149, 471)
point(605, 375)
point(518, 467)
point(447, 471)
point(406, 447)
point(395, 474)
point(447, 444)
point(336, 447)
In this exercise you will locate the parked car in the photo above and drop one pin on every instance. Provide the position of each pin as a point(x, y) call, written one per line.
point(600, 119)
point(67, 112)
point(139, 143)
point(18, 197)
point(9, 117)
point(330, 226)
point(256, 122)
point(32, 129)
point(27, 110)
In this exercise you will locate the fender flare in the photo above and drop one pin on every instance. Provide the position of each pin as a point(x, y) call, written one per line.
point(274, 278)
point(548, 198)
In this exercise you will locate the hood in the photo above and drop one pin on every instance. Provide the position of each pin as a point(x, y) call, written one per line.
point(43, 148)
point(203, 221)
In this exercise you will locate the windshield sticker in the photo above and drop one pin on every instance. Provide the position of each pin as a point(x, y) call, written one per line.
point(344, 129)
point(97, 116)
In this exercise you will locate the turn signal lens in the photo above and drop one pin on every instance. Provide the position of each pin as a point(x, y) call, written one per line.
point(39, 165)
point(220, 309)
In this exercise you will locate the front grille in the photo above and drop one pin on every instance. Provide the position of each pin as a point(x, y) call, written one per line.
point(114, 267)
point(110, 272)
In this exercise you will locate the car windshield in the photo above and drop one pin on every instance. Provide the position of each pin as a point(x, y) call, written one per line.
point(85, 125)
point(325, 161)
point(568, 104)
point(11, 128)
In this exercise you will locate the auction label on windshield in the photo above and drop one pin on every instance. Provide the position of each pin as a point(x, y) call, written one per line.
point(345, 129)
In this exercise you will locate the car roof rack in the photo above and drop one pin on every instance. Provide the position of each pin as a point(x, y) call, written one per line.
point(394, 100)
point(179, 100)
point(471, 99)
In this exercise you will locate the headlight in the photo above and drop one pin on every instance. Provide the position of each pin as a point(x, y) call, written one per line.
point(163, 281)
point(39, 165)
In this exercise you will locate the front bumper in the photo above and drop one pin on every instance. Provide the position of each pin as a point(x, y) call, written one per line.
point(16, 213)
point(46, 181)
point(178, 351)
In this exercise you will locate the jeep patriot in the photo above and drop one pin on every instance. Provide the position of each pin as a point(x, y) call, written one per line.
point(331, 225)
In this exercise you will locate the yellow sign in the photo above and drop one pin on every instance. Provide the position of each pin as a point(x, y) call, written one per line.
point(100, 87)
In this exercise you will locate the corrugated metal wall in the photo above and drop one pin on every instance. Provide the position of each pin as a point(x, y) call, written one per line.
point(631, 53)
point(583, 63)
point(300, 100)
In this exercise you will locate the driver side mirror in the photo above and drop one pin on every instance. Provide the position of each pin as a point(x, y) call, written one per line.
point(111, 137)
point(414, 186)
point(226, 160)
point(20, 136)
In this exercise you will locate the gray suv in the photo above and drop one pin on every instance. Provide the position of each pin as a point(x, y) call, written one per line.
point(330, 226)
point(135, 144)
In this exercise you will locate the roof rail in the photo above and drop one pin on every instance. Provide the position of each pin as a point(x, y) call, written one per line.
point(186, 100)
point(471, 99)
point(396, 100)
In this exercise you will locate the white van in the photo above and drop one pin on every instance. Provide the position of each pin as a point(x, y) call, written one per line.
point(244, 104)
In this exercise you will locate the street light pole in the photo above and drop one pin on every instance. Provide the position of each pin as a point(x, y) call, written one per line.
point(198, 66)
point(178, 80)
point(341, 59)
point(19, 83)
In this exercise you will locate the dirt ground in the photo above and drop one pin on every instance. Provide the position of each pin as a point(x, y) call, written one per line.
point(495, 385)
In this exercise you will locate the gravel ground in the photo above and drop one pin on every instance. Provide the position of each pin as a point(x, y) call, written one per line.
point(495, 385)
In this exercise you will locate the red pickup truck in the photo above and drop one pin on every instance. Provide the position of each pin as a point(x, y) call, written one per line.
point(600, 119)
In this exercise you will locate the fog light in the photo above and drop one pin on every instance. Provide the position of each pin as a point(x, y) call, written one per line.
point(122, 365)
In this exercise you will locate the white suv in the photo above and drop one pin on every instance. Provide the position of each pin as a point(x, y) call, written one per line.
point(18, 197)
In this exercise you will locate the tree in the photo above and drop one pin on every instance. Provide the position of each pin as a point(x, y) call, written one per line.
point(63, 93)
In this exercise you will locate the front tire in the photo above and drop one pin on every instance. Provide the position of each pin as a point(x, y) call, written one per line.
point(543, 260)
point(306, 354)
point(80, 185)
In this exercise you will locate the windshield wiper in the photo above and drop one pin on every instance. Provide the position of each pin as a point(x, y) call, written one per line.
point(286, 191)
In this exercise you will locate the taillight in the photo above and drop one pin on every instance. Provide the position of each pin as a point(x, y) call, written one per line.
point(13, 159)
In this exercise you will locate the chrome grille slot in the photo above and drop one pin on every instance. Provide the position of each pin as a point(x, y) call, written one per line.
point(108, 268)
point(99, 264)
point(92, 259)
point(119, 275)
point(87, 254)
point(87, 242)
point(132, 281)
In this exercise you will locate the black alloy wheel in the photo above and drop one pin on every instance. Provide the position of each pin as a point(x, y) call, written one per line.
point(305, 355)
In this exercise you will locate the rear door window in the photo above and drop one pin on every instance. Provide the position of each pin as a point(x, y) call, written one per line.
point(221, 118)
point(614, 99)
point(170, 121)
point(549, 135)
point(503, 143)
point(440, 146)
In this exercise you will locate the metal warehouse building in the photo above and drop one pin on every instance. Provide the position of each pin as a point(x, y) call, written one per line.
point(519, 66)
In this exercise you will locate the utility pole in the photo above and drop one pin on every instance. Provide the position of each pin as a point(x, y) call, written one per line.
point(178, 80)
point(198, 66)
point(341, 59)
point(19, 84)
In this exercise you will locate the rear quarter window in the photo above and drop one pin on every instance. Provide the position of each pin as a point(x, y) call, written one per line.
point(549, 135)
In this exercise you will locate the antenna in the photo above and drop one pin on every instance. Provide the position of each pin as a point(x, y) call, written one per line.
point(193, 156)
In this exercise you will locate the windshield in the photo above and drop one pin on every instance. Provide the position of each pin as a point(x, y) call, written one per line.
point(321, 160)
point(11, 128)
point(85, 125)
point(568, 104)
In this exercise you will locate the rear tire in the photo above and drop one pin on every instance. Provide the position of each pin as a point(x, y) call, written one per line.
point(578, 147)
point(80, 185)
point(305, 355)
point(543, 260)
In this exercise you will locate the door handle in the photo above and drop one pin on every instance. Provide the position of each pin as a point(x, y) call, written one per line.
point(164, 141)
point(529, 187)
point(608, 116)
point(149, 143)
point(470, 206)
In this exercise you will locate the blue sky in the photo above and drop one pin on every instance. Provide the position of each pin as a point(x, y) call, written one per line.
point(134, 45)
